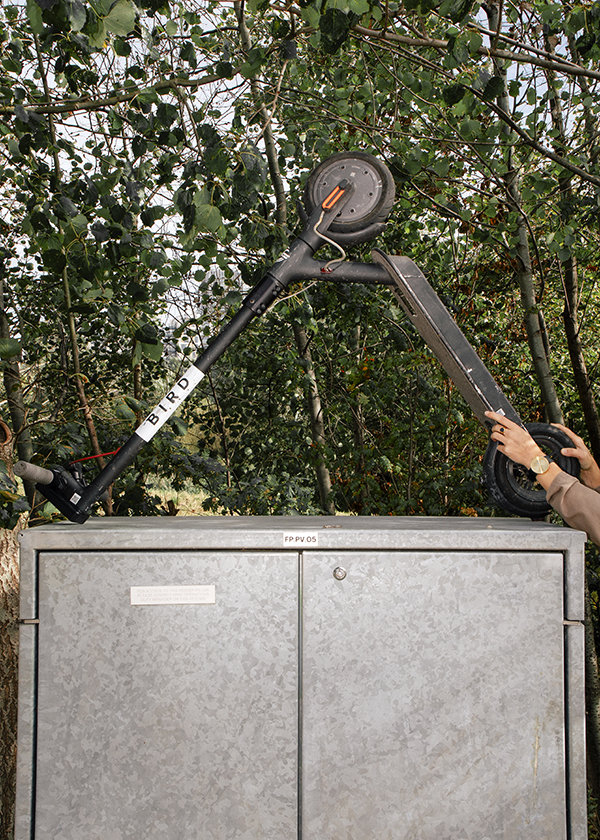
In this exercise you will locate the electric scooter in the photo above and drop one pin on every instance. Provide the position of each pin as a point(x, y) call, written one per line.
point(347, 200)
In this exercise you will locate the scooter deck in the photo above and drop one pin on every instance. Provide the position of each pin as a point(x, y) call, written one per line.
point(439, 330)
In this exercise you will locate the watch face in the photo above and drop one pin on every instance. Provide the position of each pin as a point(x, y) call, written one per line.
point(539, 464)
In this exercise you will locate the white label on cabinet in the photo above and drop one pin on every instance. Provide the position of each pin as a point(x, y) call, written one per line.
point(157, 595)
point(300, 539)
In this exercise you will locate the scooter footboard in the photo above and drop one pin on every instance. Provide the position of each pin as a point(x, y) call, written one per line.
point(511, 486)
point(440, 331)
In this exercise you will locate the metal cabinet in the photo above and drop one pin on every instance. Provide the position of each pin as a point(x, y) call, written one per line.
point(319, 678)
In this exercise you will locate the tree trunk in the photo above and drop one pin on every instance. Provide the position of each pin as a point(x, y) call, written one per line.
point(317, 426)
point(358, 424)
point(16, 401)
point(267, 133)
point(570, 276)
point(523, 265)
point(312, 392)
point(9, 612)
point(580, 373)
point(79, 381)
point(592, 421)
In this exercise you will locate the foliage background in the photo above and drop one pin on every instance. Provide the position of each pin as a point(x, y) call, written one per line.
point(152, 157)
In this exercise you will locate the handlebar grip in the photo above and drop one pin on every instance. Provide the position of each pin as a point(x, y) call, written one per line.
point(31, 472)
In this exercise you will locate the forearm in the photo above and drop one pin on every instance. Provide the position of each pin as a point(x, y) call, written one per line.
point(579, 506)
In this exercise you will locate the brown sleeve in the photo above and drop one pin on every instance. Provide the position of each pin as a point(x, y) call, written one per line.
point(578, 505)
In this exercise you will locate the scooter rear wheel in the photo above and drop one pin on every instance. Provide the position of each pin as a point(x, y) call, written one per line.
point(365, 214)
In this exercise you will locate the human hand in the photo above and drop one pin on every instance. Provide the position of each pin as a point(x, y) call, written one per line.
point(590, 472)
point(513, 440)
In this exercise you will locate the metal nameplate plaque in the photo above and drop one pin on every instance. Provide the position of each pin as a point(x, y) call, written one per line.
point(172, 595)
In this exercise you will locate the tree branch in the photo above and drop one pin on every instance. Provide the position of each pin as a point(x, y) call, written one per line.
point(559, 66)
point(61, 106)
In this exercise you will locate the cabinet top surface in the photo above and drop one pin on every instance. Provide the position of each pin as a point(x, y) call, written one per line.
point(303, 532)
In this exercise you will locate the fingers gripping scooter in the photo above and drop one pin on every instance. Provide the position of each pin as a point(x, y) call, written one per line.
point(347, 201)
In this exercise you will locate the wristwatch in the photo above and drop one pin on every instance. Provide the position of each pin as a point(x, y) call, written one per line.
point(539, 465)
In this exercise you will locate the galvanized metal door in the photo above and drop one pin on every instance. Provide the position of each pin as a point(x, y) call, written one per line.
point(166, 709)
point(432, 696)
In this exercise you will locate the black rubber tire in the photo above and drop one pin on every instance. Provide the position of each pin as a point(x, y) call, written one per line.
point(514, 488)
point(367, 211)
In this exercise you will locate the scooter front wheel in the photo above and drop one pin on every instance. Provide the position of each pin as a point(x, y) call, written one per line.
point(513, 487)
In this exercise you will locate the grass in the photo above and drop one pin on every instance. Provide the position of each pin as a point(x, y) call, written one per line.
point(186, 502)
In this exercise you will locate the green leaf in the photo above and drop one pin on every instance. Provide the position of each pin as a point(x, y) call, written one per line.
point(453, 94)
point(103, 7)
point(456, 10)
point(34, 13)
point(470, 129)
point(115, 315)
point(413, 166)
point(161, 286)
point(494, 88)
point(123, 411)
point(458, 48)
point(79, 223)
point(232, 298)
point(148, 96)
point(335, 28)
point(147, 334)
point(136, 356)
point(9, 348)
point(121, 18)
point(224, 69)
point(178, 425)
point(54, 259)
point(475, 42)
point(152, 351)
point(188, 53)
point(121, 47)
point(66, 207)
point(310, 15)
point(154, 259)
point(96, 33)
point(441, 167)
point(150, 214)
point(77, 14)
point(359, 7)
point(208, 217)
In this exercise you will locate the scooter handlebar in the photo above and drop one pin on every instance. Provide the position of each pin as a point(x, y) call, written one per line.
point(31, 472)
